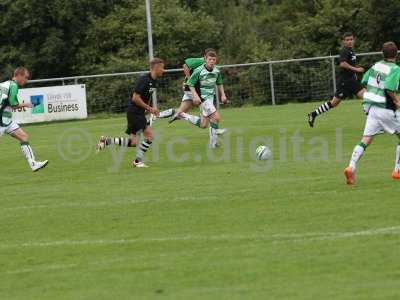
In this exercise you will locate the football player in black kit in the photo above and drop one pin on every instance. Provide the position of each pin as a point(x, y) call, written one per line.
point(139, 103)
point(348, 85)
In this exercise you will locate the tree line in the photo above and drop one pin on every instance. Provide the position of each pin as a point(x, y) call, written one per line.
point(66, 38)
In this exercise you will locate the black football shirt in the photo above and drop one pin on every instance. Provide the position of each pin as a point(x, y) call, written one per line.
point(145, 87)
point(347, 55)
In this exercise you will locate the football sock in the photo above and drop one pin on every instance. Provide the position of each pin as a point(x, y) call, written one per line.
point(195, 120)
point(213, 133)
point(142, 149)
point(119, 141)
point(397, 163)
point(167, 113)
point(28, 152)
point(322, 109)
point(357, 153)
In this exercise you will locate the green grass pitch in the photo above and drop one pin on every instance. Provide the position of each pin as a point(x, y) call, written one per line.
point(92, 227)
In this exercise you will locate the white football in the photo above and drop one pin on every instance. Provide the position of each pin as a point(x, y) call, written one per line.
point(263, 153)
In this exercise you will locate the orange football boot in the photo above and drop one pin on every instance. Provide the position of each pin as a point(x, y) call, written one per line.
point(349, 174)
point(396, 175)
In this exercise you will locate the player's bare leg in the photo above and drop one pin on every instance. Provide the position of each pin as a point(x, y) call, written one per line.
point(204, 122)
point(358, 151)
point(26, 149)
point(183, 108)
point(195, 120)
point(396, 172)
point(143, 148)
point(186, 104)
point(200, 122)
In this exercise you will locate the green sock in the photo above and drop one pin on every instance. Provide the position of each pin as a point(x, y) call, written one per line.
point(214, 125)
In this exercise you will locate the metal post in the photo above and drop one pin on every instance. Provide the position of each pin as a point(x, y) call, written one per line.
point(150, 43)
point(271, 79)
point(149, 29)
point(333, 73)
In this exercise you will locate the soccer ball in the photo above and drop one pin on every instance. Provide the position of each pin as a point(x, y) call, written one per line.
point(263, 153)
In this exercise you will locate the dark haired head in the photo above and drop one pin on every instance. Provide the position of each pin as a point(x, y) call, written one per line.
point(389, 50)
point(347, 34)
point(209, 50)
point(211, 54)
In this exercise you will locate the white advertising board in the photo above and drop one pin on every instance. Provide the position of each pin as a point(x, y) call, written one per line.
point(52, 104)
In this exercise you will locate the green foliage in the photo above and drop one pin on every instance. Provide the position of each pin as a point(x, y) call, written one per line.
point(66, 38)
point(44, 35)
point(62, 38)
point(121, 36)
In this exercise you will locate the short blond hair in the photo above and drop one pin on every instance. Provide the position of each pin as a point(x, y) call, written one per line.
point(156, 61)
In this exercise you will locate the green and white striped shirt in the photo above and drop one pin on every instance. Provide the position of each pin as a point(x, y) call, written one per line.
point(384, 75)
point(8, 99)
point(206, 81)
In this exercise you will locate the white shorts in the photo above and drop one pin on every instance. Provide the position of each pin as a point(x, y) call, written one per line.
point(381, 120)
point(8, 129)
point(208, 108)
point(187, 96)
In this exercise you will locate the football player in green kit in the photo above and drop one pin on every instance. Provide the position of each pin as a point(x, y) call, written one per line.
point(9, 102)
point(190, 65)
point(202, 84)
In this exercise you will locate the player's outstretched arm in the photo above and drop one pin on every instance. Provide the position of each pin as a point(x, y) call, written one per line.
point(346, 65)
point(139, 102)
point(22, 105)
point(13, 99)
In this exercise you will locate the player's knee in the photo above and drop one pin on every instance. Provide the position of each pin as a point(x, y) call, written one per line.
point(215, 118)
point(334, 103)
point(149, 136)
point(367, 140)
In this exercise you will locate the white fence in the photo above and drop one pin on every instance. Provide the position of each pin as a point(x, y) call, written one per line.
point(268, 82)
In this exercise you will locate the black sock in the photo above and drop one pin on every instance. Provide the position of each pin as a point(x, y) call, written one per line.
point(142, 149)
point(322, 109)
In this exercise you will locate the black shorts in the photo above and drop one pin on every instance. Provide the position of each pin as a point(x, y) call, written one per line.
point(347, 89)
point(136, 123)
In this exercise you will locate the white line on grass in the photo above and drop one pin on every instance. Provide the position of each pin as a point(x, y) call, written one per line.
point(274, 238)
point(45, 268)
point(144, 201)
point(108, 203)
